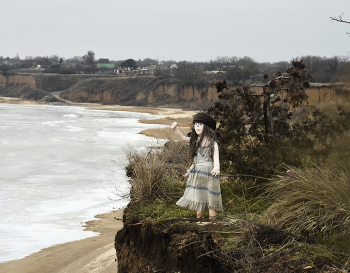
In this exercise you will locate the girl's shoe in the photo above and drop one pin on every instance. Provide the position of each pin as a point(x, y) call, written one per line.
point(212, 217)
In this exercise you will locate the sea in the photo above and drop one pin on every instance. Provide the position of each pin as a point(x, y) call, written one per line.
point(59, 167)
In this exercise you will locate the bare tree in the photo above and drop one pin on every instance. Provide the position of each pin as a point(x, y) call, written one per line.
point(223, 62)
point(89, 60)
point(104, 61)
point(16, 58)
point(188, 73)
point(148, 62)
point(75, 60)
point(170, 62)
point(4, 68)
point(54, 58)
point(28, 61)
point(234, 74)
point(42, 60)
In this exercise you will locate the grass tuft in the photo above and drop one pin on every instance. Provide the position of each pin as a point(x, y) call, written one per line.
point(317, 201)
point(157, 172)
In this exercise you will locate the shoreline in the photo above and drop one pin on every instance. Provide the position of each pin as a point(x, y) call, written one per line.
point(169, 115)
point(94, 254)
point(97, 253)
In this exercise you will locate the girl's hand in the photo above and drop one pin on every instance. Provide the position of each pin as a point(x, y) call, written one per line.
point(216, 171)
point(177, 132)
point(174, 125)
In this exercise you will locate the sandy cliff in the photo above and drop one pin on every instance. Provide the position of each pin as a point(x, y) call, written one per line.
point(141, 91)
point(24, 79)
point(136, 91)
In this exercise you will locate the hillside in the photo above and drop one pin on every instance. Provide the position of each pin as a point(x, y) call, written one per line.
point(37, 86)
point(140, 91)
point(108, 89)
point(135, 91)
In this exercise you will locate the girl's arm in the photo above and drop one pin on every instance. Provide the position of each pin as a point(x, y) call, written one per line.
point(216, 169)
point(178, 133)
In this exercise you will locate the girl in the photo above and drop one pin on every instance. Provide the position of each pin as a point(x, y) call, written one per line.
point(203, 184)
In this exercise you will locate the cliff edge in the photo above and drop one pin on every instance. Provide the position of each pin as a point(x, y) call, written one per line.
point(141, 91)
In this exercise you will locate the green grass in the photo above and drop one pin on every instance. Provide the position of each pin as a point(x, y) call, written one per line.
point(242, 200)
point(158, 211)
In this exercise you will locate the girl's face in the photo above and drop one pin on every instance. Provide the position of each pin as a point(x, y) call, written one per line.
point(199, 128)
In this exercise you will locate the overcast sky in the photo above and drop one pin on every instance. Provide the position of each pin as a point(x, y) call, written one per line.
point(192, 30)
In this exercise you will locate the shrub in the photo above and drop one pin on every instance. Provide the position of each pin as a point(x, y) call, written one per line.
point(258, 132)
point(30, 94)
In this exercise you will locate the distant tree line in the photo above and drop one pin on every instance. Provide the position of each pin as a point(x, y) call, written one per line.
point(324, 69)
point(235, 70)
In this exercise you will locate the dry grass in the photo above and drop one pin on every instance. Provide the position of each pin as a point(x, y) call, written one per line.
point(341, 151)
point(330, 108)
point(317, 93)
point(157, 172)
point(318, 201)
point(321, 94)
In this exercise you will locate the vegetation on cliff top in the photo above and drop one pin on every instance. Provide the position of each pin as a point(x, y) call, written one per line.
point(268, 225)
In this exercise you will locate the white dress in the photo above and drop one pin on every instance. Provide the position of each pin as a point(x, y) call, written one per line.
point(203, 189)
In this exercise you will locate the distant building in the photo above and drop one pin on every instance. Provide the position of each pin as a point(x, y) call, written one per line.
point(150, 69)
point(104, 67)
point(142, 71)
point(216, 74)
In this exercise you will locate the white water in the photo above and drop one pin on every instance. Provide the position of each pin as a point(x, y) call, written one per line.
point(56, 172)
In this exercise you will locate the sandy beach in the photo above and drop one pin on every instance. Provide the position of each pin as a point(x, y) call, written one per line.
point(95, 254)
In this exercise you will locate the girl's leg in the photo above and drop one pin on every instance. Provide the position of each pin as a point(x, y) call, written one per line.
point(200, 214)
point(212, 214)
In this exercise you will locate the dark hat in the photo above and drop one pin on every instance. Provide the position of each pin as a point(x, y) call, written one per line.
point(206, 119)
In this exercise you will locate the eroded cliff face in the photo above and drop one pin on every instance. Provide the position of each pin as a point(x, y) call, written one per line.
point(166, 92)
point(104, 97)
point(16, 85)
point(141, 91)
point(169, 247)
point(138, 91)
point(27, 80)
point(188, 93)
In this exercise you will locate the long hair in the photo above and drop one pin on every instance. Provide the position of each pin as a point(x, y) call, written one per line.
point(195, 142)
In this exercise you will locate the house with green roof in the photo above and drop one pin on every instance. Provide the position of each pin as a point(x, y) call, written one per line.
point(106, 67)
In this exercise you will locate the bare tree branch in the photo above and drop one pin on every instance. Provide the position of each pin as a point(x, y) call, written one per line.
point(339, 19)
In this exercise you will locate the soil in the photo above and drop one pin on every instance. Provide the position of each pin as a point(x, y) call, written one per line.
point(193, 245)
point(178, 248)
